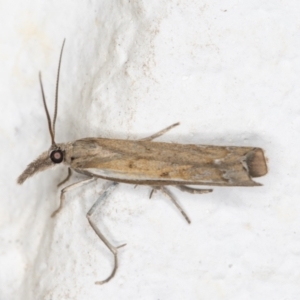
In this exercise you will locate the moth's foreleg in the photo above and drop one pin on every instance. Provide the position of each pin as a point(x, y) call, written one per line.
point(67, 178)
point(160, 133)
point(188, 189)
point(168, 193)
point(68, 188)
point(114, 250)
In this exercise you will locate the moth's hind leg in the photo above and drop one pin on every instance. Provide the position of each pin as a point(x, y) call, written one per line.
point(68, 188)
point(114, 250)
point(168, 193)
point(190, 190)
point(160, 133)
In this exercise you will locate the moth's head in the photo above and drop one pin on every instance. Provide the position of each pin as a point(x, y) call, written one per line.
point(56, 153)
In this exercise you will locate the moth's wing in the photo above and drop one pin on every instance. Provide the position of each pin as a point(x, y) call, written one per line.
point(161, 163)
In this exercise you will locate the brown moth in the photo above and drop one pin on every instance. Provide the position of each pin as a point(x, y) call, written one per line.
point(145, 162)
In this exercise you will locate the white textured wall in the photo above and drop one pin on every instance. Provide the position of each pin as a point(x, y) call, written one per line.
point(229, 71)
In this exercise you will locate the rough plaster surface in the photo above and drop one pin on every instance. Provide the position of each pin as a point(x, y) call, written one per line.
point(228, 71)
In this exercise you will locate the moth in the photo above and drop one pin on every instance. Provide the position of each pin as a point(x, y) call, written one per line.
point(145, 162)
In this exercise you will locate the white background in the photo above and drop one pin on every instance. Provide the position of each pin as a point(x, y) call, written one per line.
point(229, 71)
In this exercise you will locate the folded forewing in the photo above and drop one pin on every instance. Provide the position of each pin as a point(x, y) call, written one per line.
point(127, 160)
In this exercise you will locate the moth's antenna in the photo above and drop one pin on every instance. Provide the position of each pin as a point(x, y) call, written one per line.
point(52, 126)
point(46, 110)
point(56, 90)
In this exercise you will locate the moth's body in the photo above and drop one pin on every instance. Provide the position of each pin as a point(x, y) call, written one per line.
point(157, 163)
point(148, 163)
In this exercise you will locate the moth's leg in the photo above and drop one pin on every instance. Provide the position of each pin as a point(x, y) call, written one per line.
point(151, 193)
point(114, 250)
point(69, 187)
point(168, 193)
point(66, 179)
point(187, 189)
point(158, 134)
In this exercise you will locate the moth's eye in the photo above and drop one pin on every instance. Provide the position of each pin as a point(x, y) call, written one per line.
point(57, 156)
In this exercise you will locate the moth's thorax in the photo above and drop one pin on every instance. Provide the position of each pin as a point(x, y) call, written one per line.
point(85, 149)
point(66, 148)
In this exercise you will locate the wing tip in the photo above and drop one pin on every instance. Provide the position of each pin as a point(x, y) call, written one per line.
point(256, 163)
